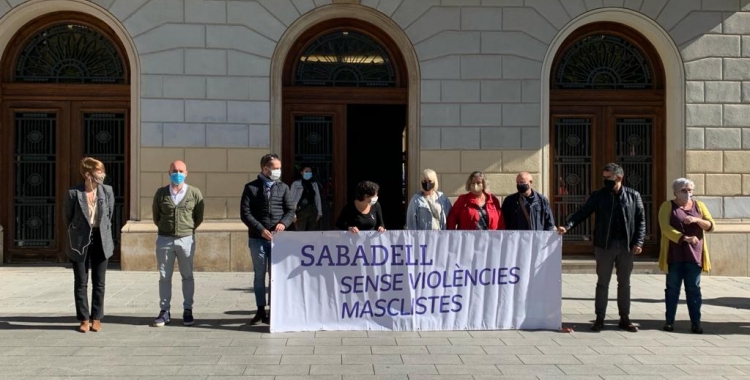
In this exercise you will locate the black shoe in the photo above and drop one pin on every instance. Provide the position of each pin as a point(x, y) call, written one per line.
point(626, 325)
point(696, 329)
point(187, 318)
point(267, 318)
point(668, 327)
point(598, 324)
point(259, 316)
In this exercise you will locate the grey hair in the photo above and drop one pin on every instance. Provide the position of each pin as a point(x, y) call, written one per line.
point(679, 183)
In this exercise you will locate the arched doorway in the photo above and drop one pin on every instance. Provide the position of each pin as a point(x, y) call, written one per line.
point(345, 97)
point(607, 104)
point(65, 95)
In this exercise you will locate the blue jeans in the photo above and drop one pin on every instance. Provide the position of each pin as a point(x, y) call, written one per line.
point(260, 253)
point(690, 273)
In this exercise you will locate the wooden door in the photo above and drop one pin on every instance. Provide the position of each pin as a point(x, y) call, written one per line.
point(38, 172)
point(315, 136)
point(587, 138)
point(47, 141)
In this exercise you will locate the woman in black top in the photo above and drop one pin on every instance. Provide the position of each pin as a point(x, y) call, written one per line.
point(364, 214)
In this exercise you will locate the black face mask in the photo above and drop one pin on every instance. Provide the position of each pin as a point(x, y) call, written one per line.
point(609, 184)
point(428, 186)
point(522, 187)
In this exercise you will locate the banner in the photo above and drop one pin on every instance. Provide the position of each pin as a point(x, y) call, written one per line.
point(416, 280)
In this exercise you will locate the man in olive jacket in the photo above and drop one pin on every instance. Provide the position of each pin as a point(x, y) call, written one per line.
point(177, 211)
point(619, 232)
point(267, 207)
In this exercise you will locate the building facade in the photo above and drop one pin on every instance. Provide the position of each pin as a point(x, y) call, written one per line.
point(370, 89)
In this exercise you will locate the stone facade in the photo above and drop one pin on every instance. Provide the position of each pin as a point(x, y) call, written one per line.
point(205, 97)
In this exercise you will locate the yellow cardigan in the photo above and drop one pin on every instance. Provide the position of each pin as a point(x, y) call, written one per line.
point(668, 233)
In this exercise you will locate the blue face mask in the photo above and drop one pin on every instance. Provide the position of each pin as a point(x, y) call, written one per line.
point(177, 178)
point(307, 175)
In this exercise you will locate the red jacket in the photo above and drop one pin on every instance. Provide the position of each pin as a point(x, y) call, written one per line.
point(464, 214)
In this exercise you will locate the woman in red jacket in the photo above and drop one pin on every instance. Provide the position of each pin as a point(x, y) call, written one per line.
point(477, 209)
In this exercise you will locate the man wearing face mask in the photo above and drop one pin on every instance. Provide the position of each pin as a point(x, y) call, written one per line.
point(267, 207)
point(177, 211)
point(527, 209)
point(619, 232)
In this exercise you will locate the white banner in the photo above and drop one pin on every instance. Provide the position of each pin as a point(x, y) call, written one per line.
point(416, 280)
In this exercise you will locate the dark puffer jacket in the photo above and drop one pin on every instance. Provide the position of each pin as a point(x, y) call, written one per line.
point(260, 212)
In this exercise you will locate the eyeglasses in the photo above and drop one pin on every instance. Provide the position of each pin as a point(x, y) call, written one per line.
point(686, 190)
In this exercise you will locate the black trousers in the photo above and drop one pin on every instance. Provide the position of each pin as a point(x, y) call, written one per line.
point(97, 263)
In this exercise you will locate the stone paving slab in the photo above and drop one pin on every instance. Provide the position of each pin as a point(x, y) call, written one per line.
point(38, 338)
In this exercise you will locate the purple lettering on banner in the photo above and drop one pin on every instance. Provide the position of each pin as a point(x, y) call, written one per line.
point(384, 250)
point(481, 276)
point(423, 250)
point(433, 279)
point(325, 253)
point(343, 253)
point(360, 255)
point(416, 281)
point(458, 280)
point(397, 256)
point(514, 273)
point(304, 252)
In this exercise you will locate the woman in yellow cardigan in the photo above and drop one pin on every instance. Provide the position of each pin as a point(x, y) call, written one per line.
point(684, 252)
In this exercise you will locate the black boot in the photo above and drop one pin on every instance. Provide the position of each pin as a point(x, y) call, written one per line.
point(260, 315)
point(598, 324)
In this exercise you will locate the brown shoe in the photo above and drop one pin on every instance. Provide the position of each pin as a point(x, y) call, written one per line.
point(84, 327)
point(96, 325)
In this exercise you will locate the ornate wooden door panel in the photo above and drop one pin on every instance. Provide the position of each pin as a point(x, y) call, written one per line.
point(35, 189)
point(585, 139)
point(48, 140)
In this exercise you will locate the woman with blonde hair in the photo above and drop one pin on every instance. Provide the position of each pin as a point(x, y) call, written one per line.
point(88, 213)
point(478, 209)
point(684, 251)
point(429, 208)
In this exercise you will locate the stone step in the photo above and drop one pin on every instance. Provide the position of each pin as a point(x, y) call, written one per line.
point(587, 265)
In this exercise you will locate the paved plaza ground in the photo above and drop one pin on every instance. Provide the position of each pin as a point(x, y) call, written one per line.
point(38, 338)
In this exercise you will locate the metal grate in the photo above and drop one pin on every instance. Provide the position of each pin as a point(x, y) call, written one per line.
point(69, 53)
point(635, 154)
point(572, 166)
point(34, 166)
point(345, 59)
point(313, 136)
point(104, 139)
point(603, 61)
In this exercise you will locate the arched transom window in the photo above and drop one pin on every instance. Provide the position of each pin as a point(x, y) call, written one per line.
point(69, 53)
point(345, 59)
point(603, 61)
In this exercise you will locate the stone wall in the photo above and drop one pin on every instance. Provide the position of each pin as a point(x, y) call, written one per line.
point(205, 91)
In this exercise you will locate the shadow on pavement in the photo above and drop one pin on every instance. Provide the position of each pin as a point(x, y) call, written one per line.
point(70, 323)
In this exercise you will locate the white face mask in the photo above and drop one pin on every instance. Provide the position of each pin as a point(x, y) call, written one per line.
point(684, 197)
point(98, 179)
point(373, 200)
point(477, 187)
point(275, 174)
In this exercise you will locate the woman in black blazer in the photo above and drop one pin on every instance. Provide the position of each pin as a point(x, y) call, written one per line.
point(88, 213)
